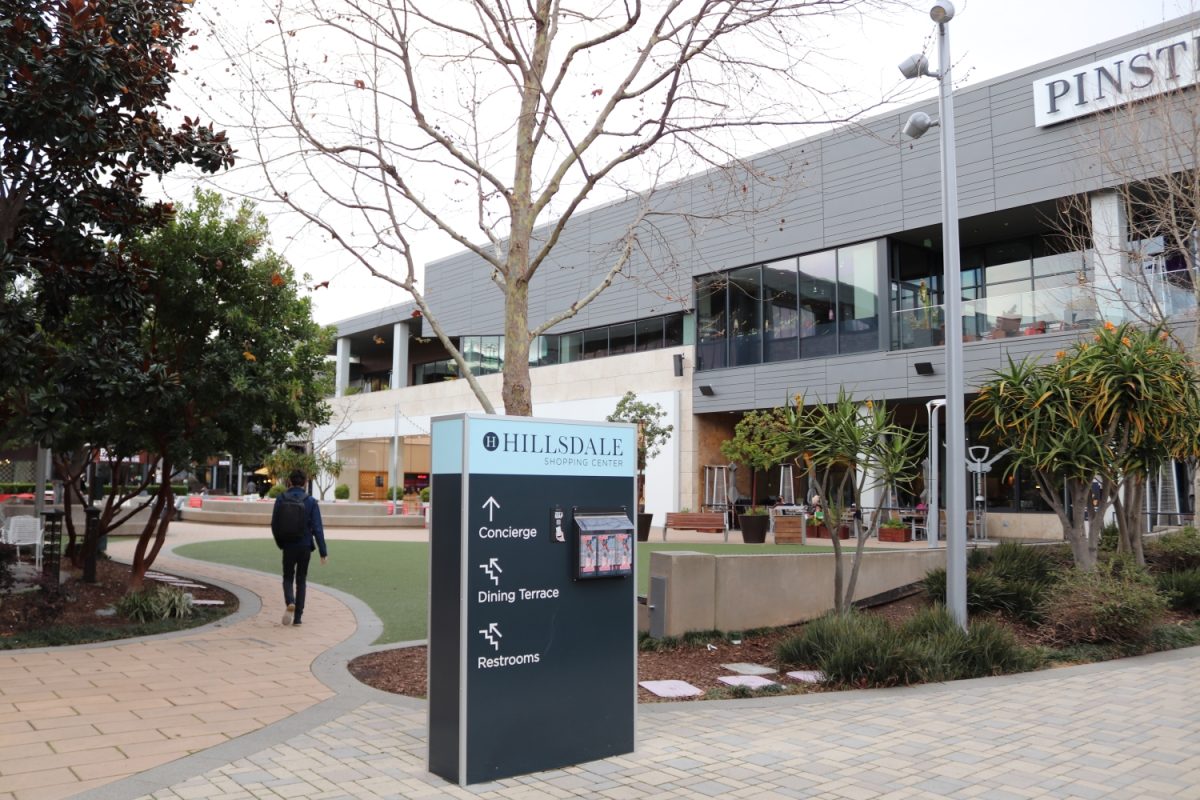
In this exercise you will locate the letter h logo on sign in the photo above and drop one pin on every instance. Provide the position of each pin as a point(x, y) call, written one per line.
point(490, 441)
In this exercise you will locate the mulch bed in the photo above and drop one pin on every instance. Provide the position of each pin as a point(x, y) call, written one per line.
point(22, 611)
point(402, 670)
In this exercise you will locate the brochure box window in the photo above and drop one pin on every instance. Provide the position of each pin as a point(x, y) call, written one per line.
point(603, 546)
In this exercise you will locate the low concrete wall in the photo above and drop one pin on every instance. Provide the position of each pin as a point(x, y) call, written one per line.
point(236, 512)
point(739, 592)
point(333, 515)
point(1024, 527)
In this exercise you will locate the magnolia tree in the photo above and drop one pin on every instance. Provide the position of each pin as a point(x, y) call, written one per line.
point(492, 124)
point(850, 450)
point(1114, 407)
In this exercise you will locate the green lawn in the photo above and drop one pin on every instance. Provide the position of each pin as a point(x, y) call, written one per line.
point(393, 577)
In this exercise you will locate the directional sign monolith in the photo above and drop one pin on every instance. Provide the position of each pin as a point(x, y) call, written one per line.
point(532, 639)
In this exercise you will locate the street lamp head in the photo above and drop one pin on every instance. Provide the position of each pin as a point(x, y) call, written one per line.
point(918, 124)
point(914, 66)
point(942, 12)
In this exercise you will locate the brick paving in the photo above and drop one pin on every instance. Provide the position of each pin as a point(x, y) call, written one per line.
point(251, 710)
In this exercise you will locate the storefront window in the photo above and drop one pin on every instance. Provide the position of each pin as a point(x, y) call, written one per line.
point(781, 312)
point(818, 304)
point(745, 316)
point(711, 292)
point(858, 298)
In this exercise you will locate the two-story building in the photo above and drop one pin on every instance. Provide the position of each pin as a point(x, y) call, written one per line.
point(818, 267)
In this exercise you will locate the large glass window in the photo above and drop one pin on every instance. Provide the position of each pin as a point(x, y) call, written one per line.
point(745, 316)
point(858, 298)
point(711, 293)
point(595, 343)
point(570, 347)
point(649, 333)
point(781, 312)
point(673, 330)
point(818, 304)
point(620, 338)
point(543, 351)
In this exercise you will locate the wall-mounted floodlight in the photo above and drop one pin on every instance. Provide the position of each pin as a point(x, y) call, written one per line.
point(918, 125)
point(915, 66)
point(706, 390)
point(923, 367)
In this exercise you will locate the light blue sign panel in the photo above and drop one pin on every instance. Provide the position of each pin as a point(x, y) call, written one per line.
point(447, 445)
point(521, 446)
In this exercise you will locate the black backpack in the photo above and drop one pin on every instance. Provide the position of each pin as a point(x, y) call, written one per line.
point(290, 520)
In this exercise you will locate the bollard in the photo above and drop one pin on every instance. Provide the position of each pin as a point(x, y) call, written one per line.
point(91, 537)
point(51, 549)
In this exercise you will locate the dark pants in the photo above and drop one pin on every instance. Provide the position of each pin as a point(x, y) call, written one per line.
point(295, 576)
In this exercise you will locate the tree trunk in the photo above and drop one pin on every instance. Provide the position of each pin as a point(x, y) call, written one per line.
point(156, 527)
point(518, 399)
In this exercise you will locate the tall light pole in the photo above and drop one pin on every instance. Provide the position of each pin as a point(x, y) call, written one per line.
point(956, 434)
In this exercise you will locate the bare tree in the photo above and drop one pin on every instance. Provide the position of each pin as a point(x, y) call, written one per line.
point(1148, 153)
point(413, 115)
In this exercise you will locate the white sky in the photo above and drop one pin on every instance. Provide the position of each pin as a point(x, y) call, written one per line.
point(988, 38)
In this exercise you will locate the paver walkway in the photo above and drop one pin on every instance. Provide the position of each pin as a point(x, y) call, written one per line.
point(1124, 729)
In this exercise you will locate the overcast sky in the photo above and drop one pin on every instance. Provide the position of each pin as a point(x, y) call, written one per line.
point(988, 38)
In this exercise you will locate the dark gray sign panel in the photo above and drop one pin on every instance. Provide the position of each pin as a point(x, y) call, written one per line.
point(532, 632)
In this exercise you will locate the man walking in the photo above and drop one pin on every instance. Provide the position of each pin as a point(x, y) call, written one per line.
point(295, 524)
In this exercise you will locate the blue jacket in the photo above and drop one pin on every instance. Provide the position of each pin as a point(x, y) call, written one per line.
point(314, 529)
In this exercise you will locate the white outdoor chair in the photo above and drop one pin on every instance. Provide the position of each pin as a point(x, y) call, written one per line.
point(25, 532)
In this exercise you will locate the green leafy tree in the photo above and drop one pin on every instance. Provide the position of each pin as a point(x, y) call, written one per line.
point(651, 434)
point(283, 461)
point(230, 360)
point(848, 448)
point(328, 470)
point(79, 132)
point(757, 443)
point(1108, 410)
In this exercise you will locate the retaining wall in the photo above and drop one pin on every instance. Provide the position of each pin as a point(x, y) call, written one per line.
point(739, 592)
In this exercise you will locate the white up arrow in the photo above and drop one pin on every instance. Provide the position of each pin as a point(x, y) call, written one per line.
point(491, 505)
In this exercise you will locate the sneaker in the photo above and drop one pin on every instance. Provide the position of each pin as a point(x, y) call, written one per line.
point(297, 622)
point(290, 614)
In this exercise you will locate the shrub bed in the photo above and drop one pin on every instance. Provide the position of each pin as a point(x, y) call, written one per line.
point(1174, 552)
point(855, 649)
point(1116, 603)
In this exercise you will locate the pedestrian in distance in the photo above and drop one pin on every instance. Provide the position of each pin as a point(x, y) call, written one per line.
point(296, 526)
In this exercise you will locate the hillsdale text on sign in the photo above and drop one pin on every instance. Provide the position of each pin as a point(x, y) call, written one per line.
point(1134, 75)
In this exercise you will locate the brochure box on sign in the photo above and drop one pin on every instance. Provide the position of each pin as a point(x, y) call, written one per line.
point(603, 545)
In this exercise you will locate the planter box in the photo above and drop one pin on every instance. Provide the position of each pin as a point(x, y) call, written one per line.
point(895, 534)
point(822, 532)
point(787, 529)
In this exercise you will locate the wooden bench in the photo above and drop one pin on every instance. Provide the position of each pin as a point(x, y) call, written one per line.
point(703, 521)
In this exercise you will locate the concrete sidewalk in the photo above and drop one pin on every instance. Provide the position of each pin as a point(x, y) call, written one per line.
point(252, 709)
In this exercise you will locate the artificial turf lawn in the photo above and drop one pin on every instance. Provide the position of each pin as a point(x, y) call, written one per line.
point(393, 577)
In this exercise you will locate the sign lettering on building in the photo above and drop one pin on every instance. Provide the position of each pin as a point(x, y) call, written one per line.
point(1137, 74)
